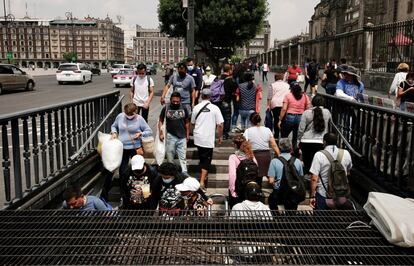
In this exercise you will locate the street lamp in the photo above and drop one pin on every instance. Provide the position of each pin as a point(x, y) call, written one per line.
point(69, 15)
point(189, 4)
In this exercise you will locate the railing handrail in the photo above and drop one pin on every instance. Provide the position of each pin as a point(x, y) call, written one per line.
point(57, 106)
point(347, 144)
point(93, 134)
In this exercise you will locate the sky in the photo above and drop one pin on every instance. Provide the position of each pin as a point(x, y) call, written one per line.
point(287, 17)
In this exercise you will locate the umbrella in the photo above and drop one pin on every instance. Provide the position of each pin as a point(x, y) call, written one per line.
point(400, 40)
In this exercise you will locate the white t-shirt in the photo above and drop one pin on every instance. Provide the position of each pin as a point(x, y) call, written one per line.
point(265, 67)
point(205, 127)
point(208, 79)
point(259, 137)
point(242, 210)
point(320, 166)
point(141, 90)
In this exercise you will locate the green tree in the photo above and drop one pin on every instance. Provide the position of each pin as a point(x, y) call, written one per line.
point(220, 25)
point(70, 56)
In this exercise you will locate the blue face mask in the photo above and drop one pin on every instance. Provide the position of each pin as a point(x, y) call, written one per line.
point(167, 181)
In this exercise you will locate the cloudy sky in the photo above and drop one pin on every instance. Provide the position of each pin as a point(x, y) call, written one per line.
point(287, 17)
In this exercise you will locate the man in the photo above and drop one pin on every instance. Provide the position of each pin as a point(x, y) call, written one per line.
point(197, 75)
point(265, 70)
point(184, 84)
point(312, 75)
point(230, 87)
point(276, 170)
point(252, 203)
point(205, 118)
point(141, 92)
point(320, 170)
point(350, 85)
point(177, 130)
point(75, 199)
point(140, 192)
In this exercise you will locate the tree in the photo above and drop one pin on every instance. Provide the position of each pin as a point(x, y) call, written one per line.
point(70, 56)
point(220, 25)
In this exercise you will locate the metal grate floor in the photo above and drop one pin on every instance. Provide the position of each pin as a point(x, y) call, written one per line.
point(144, 238)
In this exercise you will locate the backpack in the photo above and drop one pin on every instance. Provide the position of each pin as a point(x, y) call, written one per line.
point(292, 184)
point(217, 90)
point(312, 69)
point(338, 190)
point(247, 171)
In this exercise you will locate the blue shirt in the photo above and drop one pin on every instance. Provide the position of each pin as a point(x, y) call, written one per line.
point(93, 204)
point(184, 86)
point(127, 129)
point(276, 169)
point(350, 89)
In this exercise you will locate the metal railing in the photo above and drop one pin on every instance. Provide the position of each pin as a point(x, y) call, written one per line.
point(37, 144)
point(383, 137)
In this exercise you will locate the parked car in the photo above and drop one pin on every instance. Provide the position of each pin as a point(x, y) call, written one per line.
point(117, 67)
point(151, 69)
point(73, 72)
point(12, 77)
point(123, 78)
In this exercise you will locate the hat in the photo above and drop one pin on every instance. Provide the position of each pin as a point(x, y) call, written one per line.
point(189, 184)
point(208, 68)
point(403, 66)
point(137, 162)
point(206, 92)
point(351, 71)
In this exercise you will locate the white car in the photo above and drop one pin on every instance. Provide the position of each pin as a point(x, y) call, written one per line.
point(124, 78)
point(73, 72)
point(117, 67)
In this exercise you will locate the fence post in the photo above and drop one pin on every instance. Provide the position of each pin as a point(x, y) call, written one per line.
point(369, 44)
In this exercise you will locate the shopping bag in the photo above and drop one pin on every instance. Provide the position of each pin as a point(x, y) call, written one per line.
point(159, 146)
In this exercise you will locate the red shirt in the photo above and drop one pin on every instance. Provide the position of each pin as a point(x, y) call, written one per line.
point(293, 72)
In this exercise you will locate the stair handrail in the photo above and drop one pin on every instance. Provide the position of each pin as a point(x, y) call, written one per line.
point(347, 144)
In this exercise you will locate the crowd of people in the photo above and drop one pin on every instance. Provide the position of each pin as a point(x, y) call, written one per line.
point(196, 102)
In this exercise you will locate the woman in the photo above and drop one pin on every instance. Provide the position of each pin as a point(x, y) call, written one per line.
point(294, 104)
point(246, 97)
point(330, 78)
point(277, 93)
point(292, 73)
point(243, 151)
point(313, 125)
point(129, 127)
point(262, 141)
point(406, 90)
point(399, 77)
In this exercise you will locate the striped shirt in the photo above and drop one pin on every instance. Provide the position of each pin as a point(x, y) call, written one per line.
point(247, 96)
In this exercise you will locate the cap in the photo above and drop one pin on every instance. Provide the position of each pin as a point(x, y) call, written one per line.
point(137, 162)
point(351, 71)
point(208, 68)
point(189, 184)
point(206, 92)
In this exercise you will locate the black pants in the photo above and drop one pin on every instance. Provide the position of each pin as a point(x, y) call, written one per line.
point(264, 76)
point(144, 112)
point(226, 112)
point(205, 155)
point(277, 198)
point(307, 83)
point(308, 151)
point(276, 114)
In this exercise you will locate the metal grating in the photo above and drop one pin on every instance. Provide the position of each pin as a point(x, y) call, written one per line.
point(144, 238)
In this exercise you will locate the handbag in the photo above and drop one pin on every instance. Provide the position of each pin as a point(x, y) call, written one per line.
point(148, 144)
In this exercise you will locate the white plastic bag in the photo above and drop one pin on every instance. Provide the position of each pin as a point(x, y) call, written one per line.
point(168, 94)
point(159, 146)
point(102, 137)
point(112, 154)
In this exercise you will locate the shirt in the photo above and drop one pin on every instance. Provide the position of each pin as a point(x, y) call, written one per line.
point(296, 106)
point(293, 72)
point(230, 88)
point(197, 75)
point(92, 204)
point(127, 129)
point(347, 90)
point(242, 209)
point(184, 86)
point(307, 133)
point(277, 92)
point(208, 80)
point(247, 96)
point(398, 78)
point(320, 166)
point(176, 120)
point(276, 169)
point(265, 67)
point(259, 137)
point(234, 161)
point(205, 126)
point(141, 93)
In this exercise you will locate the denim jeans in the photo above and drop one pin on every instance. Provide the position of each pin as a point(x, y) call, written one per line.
point(244, 116)
point(291, 123)
point(179, 146)
point(320, 202)
point(225, 109)
point(235, 114)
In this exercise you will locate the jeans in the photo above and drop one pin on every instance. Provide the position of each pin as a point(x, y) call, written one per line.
point(291, 123)
point(235, 114)
point(276, 114)
point(277, 197)
point(245, 116)
point(179, 146)
point(320, 202)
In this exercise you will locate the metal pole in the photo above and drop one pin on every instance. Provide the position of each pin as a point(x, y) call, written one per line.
point(7, 31)
point(190, 29)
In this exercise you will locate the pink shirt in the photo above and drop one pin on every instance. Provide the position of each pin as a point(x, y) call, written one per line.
point(277, 93)
point(294, 106)
point(234, 161)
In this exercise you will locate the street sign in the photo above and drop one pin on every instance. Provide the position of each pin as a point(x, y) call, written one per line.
point(9, 55)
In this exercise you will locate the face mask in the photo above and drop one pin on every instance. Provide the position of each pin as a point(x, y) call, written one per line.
point(190, 68)
point(141, 77)
point(182, 75)
point(130, 117)
point(175, 106)
point(167, 181)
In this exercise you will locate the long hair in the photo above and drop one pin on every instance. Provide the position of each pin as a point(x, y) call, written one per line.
point(318, 122)
point(244, 146)
point(296, 91)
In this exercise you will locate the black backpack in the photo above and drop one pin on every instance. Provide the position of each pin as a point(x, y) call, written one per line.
point(247, 171)
point(292, 184)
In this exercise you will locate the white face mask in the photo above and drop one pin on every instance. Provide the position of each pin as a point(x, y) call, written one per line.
point(167, 181)
point(130, 117)
point(190, 68)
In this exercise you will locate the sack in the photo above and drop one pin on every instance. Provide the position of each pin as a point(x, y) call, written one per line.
point(301, 78)
point(148, 144)
point(338, 190)
point(217, 90)
point(159, 146)
point(112, 151)
point(247, 171)
point(269, 119)
point(102, 137)
point(292, 184)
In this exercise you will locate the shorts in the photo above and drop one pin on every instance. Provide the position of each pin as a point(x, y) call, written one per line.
point(205, 155)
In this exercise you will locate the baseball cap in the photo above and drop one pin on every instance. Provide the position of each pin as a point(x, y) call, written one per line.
point(189, 184)
point(137, 162)
point(206, 92)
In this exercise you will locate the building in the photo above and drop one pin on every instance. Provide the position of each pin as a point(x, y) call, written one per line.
point(151, 45)
point(129, 35)
point(43, 43)
point(259, 44)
